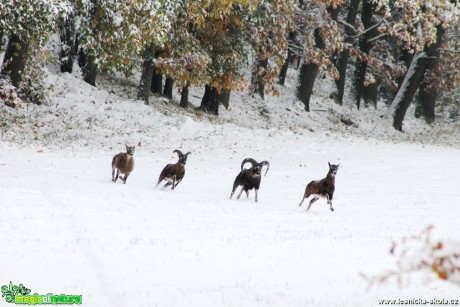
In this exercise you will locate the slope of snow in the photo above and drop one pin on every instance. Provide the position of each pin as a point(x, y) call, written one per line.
point(66, 228)
point(108, 115)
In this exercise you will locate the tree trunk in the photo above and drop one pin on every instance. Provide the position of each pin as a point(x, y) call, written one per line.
point(147, 72)
point(307, 75)
point(370, 94)
point(210, 101)
point(14, 60)
point(87, 61)
point(342, 60)
point(1, 38)
point(387, 91)
point(406, 92)
point(157, 79)
point(89, 68)
point(224, 98)
point(333, 11)
point(359, 78)
point(412, 81)
point(184, 96)
point(290, 53)
point(406, 57)
point(426, 101)
point(364, 46)
point(81, 59)
point(157, 83)
point(67, 45)
point(258, 73)
point(168, 90)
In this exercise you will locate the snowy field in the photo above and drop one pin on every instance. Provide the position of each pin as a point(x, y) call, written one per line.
point(66, 228)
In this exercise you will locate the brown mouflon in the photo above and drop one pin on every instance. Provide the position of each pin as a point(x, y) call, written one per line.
point(323, 188)
point(123, 163)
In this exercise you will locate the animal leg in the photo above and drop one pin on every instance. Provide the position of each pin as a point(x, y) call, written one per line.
point(303, 198)
point(247, 193)
point(329, 201)
point(173, 183)
point(256, 195)
point(178, 181)
point(241, 192)
point(167, 184)
point(159, 180)
point(116, 176)
point(125, 178)
point(233, 190)
point(113, 174)
point(312, 201)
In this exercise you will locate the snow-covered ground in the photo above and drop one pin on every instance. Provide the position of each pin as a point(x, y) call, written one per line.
point(66, 228)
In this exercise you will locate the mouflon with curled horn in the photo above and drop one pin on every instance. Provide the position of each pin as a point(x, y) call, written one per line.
point(323, 188)
point(249, 178)
point(123, 163)
point(174, 173)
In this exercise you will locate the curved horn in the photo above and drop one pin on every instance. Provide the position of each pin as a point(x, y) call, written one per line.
point(179, 153)
point(187, 153)
point(267, 164)
point(250, 160)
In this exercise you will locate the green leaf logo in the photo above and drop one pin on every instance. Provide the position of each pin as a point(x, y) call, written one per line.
point(23, 290)
point(10, 292)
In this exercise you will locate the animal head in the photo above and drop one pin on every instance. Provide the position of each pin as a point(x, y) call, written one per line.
point(333, 168)
point(256, 167)
point(130, 150)
point(182, 157)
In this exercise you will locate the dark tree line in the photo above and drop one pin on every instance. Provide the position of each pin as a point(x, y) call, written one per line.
point(210, 46)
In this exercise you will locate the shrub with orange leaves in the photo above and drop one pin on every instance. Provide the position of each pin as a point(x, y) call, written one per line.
point(423, 254)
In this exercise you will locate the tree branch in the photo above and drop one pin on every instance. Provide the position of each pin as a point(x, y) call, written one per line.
point(375, 38)
point(448, 50)
point(369, 29)
point(347, 25)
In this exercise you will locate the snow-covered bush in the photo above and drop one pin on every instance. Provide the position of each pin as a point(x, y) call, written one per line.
point(423, 254)
point(8, 94)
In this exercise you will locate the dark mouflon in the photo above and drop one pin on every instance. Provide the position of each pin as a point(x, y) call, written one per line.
point(174, 173)
point(249, 178)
